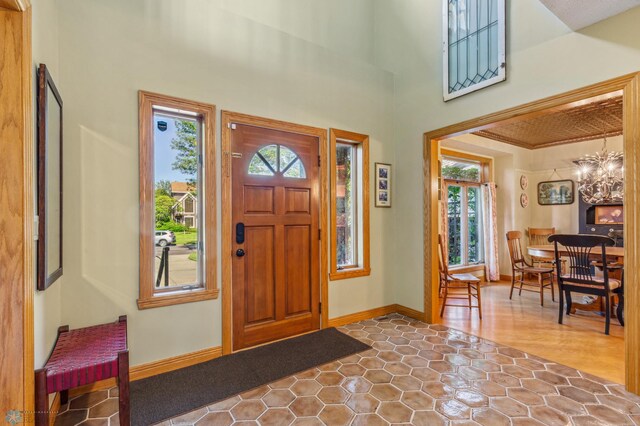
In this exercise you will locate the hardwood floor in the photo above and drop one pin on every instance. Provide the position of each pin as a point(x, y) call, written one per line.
point(523, 324)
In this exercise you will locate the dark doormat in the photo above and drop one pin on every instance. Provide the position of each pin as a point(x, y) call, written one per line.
point(178, 392)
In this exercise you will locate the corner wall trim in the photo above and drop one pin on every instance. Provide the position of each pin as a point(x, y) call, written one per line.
point(376, 312)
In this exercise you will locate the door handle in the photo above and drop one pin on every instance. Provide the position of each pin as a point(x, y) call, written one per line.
point(240, 253)
point(240, 233)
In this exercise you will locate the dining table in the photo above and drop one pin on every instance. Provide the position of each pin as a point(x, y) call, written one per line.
point(615, 256)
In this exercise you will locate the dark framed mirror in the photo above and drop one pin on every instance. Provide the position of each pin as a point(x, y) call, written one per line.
point(49, 180)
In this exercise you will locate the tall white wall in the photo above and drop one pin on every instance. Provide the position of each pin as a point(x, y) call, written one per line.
point(273, 59)
point(543, 58)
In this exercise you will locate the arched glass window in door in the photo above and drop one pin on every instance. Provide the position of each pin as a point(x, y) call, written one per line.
point(271, 160)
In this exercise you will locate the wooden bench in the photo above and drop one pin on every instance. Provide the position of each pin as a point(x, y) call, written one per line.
point(81, 357)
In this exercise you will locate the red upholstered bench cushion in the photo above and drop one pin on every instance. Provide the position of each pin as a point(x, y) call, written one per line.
point(85, 355)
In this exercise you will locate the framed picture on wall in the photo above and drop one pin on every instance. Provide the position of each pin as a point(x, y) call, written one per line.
point(555, 192)
point(49, 263)
point(383, 185)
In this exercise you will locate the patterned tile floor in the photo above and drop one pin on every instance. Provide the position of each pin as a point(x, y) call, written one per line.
point(417, 374)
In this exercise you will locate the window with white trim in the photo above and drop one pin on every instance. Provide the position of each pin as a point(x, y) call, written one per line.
point(474, 45)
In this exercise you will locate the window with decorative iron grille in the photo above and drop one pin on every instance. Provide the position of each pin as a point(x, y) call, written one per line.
point(474, 45)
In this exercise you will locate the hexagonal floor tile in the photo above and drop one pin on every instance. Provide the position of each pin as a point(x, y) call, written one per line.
point(386, 392)
point(417, 400)
point(222, 418)
point(330, 378)
point(305, 387)
point(333, 395)
point(356, 384)
point(276, 417)
point(248, 410)
point(306, 406)
point(278, 398)
point(395, 412)
point(363, 403)
point(337, 415)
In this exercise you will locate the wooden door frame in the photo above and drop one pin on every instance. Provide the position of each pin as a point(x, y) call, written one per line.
point(629, 86)
point(17, 268)
point(229, 117)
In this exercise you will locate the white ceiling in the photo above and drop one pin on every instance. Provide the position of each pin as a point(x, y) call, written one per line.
point(578, 14)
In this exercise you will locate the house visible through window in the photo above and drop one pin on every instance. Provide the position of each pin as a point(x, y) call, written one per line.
point(462, 180)
point(177, 141)
point(350, 209)
point(177, 201)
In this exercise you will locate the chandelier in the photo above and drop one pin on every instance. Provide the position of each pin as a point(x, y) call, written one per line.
point(600, 176)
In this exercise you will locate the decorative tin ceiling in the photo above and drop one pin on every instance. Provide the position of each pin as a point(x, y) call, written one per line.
point(586, 121)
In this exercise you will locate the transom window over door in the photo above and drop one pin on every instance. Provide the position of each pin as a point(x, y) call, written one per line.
point(349, 205)
point(177, 201)
point(272, 160)
point(462, 179)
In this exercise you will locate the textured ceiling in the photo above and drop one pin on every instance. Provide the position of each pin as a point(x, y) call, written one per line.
point(579, 14)
point(586, 121)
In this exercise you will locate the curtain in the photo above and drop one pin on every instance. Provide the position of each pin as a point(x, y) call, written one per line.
point(490, 230)
point(444, 220)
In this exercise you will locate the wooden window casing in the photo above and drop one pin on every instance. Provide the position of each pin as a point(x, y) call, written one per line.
point(361, 143)
point(205, 113)
point(486, 175)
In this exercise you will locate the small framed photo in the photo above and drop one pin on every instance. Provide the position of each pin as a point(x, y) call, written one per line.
point(383, 185)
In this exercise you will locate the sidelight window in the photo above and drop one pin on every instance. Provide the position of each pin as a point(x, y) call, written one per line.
point(349, 205)
point(177, 201)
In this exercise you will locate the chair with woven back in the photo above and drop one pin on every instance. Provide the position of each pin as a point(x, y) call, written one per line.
point(525, 273)
point(539, 237)
point(457, 286)
point(580, 276)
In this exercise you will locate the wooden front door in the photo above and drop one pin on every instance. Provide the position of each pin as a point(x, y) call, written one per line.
point(276, 203)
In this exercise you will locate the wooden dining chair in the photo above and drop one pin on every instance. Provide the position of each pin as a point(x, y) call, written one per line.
point(616, 271)
point(457, 286)
point(580, 276)
point(524, 273)
point(540, 237)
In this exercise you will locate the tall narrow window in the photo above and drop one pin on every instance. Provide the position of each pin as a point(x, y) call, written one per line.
point(177, 201)
point(349, 205)
point(463, 176)
point(474, 45)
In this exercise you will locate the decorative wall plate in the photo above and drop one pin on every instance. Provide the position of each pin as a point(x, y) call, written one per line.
point(524, 200)
point(524, 182)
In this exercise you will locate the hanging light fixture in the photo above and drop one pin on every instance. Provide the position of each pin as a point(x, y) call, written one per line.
point(600, 176)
